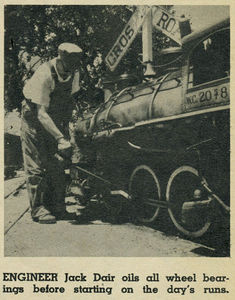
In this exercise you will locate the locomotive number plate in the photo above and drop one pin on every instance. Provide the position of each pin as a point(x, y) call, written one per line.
point(218, 94)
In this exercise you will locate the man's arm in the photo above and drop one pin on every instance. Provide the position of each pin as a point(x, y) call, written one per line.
point(47, 122)
point(51, 128)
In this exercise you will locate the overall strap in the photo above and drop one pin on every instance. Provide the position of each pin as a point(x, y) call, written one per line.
point(53, 72)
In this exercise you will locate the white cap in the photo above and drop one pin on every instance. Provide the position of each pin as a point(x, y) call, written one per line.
point(69, 48)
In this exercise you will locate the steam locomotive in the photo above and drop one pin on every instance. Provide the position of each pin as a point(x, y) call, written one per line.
point(164, 144)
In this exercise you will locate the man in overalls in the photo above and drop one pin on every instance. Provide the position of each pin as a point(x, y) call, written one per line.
point(46, 112)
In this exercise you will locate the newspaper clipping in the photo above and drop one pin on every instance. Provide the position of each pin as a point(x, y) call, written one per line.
point(117, 150)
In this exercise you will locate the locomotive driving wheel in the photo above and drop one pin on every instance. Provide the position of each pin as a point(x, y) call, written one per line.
point(189, 205)
point(144, 189)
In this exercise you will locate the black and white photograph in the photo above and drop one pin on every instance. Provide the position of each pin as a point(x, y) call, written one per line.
point(117, 131)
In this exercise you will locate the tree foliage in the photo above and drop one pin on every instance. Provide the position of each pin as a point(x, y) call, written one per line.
point(37, 30)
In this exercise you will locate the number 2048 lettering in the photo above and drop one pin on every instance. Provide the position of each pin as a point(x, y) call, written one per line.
point(208, 95)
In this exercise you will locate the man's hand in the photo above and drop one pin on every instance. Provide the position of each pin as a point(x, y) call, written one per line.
point(64, 148)
point(63, 144)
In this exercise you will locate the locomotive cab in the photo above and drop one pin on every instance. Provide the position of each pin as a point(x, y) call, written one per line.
point(207, 67)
